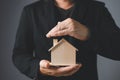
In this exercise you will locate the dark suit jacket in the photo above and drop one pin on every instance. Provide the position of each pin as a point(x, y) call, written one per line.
point(38, 18)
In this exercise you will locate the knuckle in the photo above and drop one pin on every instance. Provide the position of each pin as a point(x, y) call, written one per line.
point(69, 19)
point(57, 34)
point(72, 29)
point(71, 24)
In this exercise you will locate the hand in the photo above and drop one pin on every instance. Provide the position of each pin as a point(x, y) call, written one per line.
point(46, 69)
point(69, 27)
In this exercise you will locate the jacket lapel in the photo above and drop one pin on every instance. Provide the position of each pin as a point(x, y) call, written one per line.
point(80, 11)
point(50, 20)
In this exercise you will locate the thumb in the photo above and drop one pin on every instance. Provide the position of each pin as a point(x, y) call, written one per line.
point(44, 64)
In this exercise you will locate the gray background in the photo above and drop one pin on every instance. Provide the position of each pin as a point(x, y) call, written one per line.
point(10, 11)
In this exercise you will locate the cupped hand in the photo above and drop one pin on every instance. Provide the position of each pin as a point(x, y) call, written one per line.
point(46, 69)
point(69, 27)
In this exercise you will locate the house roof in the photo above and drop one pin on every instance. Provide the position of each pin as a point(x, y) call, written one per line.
point(60, 42)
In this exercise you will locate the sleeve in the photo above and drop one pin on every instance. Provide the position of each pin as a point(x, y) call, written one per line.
point(23, 49)
point(108, 36)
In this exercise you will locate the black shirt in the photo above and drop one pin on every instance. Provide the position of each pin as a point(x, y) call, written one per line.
point(63, 14)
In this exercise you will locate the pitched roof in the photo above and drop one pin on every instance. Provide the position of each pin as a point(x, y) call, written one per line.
point(60, 42)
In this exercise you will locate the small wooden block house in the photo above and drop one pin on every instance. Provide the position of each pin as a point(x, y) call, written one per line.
point(62, 53)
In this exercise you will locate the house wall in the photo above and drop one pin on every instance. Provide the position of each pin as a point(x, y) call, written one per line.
point(63, 54)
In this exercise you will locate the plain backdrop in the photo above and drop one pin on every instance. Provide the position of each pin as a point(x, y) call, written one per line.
point(10, 11)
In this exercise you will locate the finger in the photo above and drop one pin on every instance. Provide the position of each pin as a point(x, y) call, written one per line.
point(52, 31)
point(48, 71)
point(51, 71)
point(68, 20)
point(44, 64)
point(60, 33)
point(56, 28)
point(72, 72)
point(57, 32)
point(67, 70)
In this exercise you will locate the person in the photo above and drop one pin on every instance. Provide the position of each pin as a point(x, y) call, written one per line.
point(87, 24)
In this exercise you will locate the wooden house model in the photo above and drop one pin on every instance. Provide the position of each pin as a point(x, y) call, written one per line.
point(62, 53)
